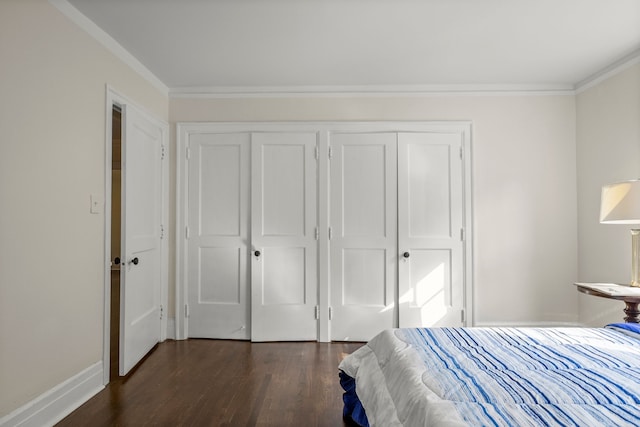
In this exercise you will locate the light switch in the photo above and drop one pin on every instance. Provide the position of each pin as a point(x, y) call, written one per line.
point(96, 204)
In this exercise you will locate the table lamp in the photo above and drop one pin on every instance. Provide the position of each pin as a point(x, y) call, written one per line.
point(620, 204)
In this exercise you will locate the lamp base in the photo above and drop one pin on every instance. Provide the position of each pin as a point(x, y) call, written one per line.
point(635, 258)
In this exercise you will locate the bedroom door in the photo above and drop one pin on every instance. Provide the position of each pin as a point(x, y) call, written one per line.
point(430, 229)
point(283, 236)
point(363, 238)
point(140, 274)
point(218, 243)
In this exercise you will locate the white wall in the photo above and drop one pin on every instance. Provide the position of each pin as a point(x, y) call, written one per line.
point(52, 157)
point(608, 150)
point(524, 174)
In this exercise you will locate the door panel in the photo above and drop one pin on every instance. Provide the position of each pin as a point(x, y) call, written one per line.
point(363, 234)
point(141, 225)
point(363, 187)
point(430, 209)
point(364, 277)
point(283, 188)
point(283, 286)
point(219, 281)
point(218, 250)
point(283, 221)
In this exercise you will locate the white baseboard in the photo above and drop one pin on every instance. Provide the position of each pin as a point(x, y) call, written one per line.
point(55, 404)
point(527, 324)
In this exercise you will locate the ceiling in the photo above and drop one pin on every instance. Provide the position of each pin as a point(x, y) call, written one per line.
point(200, 45)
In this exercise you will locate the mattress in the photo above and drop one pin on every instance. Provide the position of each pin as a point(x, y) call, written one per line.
point(497, 376)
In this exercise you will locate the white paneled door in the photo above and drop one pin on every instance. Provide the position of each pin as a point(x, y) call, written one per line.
point(218, 243)
point(363, 234)
point(283, 236)
point(430, 229)
point(335, 231)
point(141, 234)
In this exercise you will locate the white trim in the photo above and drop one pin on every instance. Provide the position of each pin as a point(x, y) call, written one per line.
point(550, 324)
point(115, 98)
point(181, 320)
point(368, 91)
point(467, 209)
point(609, 71)
point(339, 91)
point(109, 43)
point(58, 402)
point(323, 209)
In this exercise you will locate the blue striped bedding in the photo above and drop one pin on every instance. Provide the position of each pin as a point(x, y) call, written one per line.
point(500, 376)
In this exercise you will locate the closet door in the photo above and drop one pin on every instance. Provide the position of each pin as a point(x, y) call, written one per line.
point(363, 234)
point(283, 234)
point(218, 247)
point(430, 229)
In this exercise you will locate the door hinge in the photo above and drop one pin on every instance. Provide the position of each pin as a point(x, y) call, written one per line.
point(462, 235)
point(462, 316)
point(317, 233)
point(186, 232)
point(162, 152)
point(317, 313)
point(330, 313)
point(317, 152)
point(161, 231)
point(186, 310)
point(461, 153)
point(188, 153)
point(330, 152)
point(161, 312)
point(330, 233)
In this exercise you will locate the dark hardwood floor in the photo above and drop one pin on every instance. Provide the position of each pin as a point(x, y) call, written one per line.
point(224, 383)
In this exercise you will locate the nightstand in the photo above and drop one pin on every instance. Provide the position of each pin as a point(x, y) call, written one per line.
point(630, 296)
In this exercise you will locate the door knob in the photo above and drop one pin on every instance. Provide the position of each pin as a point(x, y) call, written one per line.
point(134, 261)
point(406, 254)
point(116, 261)
point(257, 253)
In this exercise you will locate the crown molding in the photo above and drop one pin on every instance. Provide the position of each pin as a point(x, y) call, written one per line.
point(367, 91)
point(389, 91)
point(609, 71)
point(109, 43)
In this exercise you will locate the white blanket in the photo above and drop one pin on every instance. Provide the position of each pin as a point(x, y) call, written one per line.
point(449, 377)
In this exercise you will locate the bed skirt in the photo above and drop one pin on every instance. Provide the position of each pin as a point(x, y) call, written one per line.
point(353, 411)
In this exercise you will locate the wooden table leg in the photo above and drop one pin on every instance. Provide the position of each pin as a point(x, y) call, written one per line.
point(631, 310)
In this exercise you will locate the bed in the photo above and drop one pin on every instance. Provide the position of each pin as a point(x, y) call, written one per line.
point(495, 377)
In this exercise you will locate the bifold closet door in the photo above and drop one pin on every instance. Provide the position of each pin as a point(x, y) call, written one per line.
point(363, 238)
point(218, 241)
point(284, 247)
point(430, 229)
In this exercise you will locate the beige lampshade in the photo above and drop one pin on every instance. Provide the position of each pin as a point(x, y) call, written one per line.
point(620, 203)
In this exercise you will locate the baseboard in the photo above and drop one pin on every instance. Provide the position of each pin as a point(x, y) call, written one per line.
point(527, 324)
point(55, 404)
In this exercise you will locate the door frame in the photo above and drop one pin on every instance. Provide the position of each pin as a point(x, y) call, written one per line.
point(324, 128)
point(114, 98)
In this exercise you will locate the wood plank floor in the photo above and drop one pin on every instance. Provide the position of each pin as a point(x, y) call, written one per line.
point(224, 383)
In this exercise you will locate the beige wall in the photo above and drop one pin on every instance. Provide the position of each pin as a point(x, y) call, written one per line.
point(608, 150)
point(524, 191)
point(52, 157)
